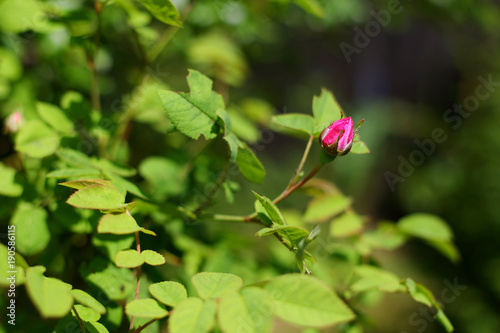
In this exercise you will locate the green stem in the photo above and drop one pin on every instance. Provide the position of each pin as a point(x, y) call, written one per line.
point(227, 218)
point(138, 284)
point(80, 322)
point(212, 193)
point(302, 161)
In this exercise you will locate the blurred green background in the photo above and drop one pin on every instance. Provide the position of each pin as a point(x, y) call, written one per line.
point(274, 56)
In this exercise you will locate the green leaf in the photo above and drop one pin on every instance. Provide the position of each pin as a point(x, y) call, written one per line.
point(164, 11)
point(425, 226)
point(37, 140)
point(73, 173)
point(146, 308)
point(83, 183)
point(370, 277)
point(11, 265)
point(95, 327)
point(168, 292)
point(8, 185)
point(326, 110)
point(85, 313)
point(295, 121)
point(193, 315)
point(423, 295)
point(243, 128)
point(359, 147)
point(51, 297)
point(55, 117)
point(152, 258)
point(290, 233)
point(75, 158)
point(129, 186)
point(448, 249)
point(128, 259)
point(110, 244)
point(32, 230)
point(386, 237)
point(249, 166)
point(82, 297)
point(245, 312)
point(443, 319)
point(304, 300)
point(323, 208)
point(271, 209)
point(118, 224)
point(97, 197)
point(116, 283)
point(233, 143)
point(347, 224)
point(311, 6)
point(194, 114)
point(215, 285)
point(112, 168)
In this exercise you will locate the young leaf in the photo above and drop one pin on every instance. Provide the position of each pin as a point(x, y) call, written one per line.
point(128, 259)
point(37, 140)
point(194, 114)
point(146, 308)
point(51, 297)
point(8, 185)
point(243, 312)
point(82, 183)
point(85, 313)
point(326, 110)
point(168, 292)
point(118, 224)
point(425, 226)
point(74, 158)
point(193, 315)
point(215, 285)
point(164, 11)
point(371, 277)
point(97, 197)
point(249, 166)
point(32, 229)
point(73, 173)
point(152, 258)
point(290, 233)
point(55, 117)
point(295, 121)
point(347, 224)
point(322, 208)
point(271, 209)
point(304, 300)
point(82, 297)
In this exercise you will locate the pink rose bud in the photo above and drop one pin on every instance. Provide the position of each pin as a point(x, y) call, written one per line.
point(336, 139)
point(13, 122)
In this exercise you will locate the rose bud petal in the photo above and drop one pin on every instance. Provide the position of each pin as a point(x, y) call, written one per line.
point(336, 139)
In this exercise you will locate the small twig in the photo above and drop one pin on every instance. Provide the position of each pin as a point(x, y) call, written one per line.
point(80, 321)
point(140, 328)
point(212, 193)
point(302, 161)
point(138, 278)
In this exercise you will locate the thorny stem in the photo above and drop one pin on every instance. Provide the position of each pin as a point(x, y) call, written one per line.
point(80, 322)
point(137, 241)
